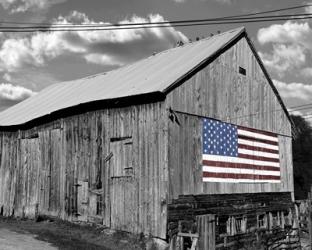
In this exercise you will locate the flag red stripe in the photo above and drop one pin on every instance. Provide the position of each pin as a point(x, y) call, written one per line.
point(238, 165)
point(240, 176)
point(257, 140)
point(267, 150)
point(257, 131)
point(257, 158)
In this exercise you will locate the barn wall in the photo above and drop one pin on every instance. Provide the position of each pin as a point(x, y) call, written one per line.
point(106, 167)
point(219, 91)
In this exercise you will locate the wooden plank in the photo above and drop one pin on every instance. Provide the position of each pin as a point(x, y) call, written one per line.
point(206, 231)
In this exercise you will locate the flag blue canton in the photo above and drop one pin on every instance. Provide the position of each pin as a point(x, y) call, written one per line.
point(219, 138)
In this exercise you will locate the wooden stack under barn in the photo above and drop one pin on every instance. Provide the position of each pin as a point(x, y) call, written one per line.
point(124, 148)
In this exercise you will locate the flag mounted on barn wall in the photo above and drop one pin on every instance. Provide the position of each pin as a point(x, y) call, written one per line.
point(236, 154)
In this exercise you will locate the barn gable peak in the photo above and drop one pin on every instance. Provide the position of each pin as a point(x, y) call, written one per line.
point(147, 80)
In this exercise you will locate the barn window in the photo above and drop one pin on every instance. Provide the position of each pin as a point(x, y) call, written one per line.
point(99, 205)
point(262, 221)
point(122, 149)
point(242, 71)
point(236, 225)
point(275, 220)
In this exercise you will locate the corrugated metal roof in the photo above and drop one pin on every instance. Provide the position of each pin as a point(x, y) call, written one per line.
point(153, 74)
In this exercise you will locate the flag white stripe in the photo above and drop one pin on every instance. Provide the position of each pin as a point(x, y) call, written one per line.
point(227, 180)
point(257, 144)
point(257, 135)
point(212, 169)
point(258, 153)
point(221, 158)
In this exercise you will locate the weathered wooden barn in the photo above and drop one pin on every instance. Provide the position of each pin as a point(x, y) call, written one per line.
point(125, 148)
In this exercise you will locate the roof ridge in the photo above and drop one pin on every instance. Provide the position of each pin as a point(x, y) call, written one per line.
point(163, 52)
point(152, 74)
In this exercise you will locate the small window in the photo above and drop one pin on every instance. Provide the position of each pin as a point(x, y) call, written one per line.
point(236, 225)
point(242, 71)
point(99, 205)
point(262, 221)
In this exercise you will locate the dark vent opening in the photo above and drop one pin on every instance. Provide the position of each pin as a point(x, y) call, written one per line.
point(242, 71)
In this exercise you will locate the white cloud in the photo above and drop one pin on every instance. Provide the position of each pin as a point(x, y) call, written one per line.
point(294, 91)
point(224, 1)
point(14, 93)
point(11, 94)
point(308, 9)
point(306, 72)
point(291, 45)
point(16, 6)
point(289, 32)
point(110, 47)
point(7, 77)
point(284, 57)
point(179, 1)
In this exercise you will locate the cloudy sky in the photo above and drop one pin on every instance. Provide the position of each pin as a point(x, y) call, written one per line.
point(30, 62)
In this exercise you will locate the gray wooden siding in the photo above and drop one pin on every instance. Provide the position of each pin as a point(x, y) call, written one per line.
point(219, 91)
point(106, 166)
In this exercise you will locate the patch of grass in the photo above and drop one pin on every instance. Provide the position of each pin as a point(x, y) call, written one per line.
point(70, 236)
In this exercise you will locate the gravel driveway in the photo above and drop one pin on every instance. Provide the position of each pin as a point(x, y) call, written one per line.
point(10, 240)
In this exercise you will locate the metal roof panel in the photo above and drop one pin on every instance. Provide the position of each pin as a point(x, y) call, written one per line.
point(153, 74)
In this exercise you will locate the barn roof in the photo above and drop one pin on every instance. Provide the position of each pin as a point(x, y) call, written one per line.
point(155, 74)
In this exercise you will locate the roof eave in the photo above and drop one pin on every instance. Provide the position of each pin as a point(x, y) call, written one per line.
point(88, 107)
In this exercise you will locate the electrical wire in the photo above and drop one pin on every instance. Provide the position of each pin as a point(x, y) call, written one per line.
point(176, 21)
point(166, 24)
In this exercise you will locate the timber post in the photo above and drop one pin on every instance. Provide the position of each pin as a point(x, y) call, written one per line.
point(310, 215)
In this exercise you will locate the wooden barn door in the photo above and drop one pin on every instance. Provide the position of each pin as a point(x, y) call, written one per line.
point(206, 228)
point(51, 164)
point(122, 185)
point(29, 178)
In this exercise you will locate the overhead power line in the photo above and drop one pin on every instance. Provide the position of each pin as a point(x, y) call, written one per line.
point(51, 29)
point(163, 24)
point(146, 25)
point(169, 22)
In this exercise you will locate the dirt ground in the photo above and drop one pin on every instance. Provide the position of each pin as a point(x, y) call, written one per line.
point(64, 235)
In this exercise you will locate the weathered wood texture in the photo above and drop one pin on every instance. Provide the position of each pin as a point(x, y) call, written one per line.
point(107, 166)
point(206, 231)
point(111, 166)
point(231, 216)
point(190, 206)
point(219, 91)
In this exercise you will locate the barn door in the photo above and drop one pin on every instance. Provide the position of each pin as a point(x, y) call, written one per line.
point(122, 185)
point(50, 185)
point(29, 178)
point(207, 232)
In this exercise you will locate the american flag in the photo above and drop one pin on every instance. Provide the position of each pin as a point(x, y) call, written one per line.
point(238, 154)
